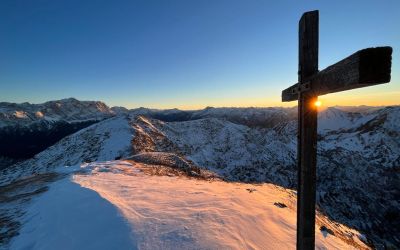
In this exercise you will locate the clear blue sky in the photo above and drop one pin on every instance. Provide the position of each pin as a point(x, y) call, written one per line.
point(185, 54)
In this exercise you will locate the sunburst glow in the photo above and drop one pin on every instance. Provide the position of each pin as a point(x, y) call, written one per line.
point(318, 103)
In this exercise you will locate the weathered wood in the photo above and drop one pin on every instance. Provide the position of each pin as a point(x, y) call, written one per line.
point(364, 68)
point(307, 133)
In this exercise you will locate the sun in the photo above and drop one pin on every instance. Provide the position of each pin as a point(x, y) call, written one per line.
point(318, 103)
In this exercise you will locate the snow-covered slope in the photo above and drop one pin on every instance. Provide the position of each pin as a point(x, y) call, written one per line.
point(358, 160)
point(105, 140)
point(31, 128)
point(116, 205)
point(358, 155)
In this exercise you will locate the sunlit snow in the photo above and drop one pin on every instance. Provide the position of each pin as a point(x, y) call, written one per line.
point(115, 205)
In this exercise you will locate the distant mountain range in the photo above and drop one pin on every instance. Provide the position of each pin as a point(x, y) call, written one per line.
point(358, 151)
point(30, 128)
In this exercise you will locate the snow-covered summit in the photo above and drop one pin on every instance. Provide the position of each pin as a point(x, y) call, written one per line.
point(117, 205)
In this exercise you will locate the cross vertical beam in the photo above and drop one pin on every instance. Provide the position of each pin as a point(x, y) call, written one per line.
point(307, 132)
point(364, 68)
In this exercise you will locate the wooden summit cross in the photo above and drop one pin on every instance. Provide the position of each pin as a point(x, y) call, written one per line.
point(364, 68)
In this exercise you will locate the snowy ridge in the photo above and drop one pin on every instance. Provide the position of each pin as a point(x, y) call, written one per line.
point(105, 140)
point(141, 211)
point(358, 160)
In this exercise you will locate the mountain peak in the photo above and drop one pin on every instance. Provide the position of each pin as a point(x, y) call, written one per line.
point(69, 109)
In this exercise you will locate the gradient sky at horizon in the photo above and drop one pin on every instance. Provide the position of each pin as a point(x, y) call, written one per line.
point(183, 54)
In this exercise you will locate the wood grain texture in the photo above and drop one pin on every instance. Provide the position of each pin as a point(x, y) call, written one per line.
point(364, 68)
point(307, 132)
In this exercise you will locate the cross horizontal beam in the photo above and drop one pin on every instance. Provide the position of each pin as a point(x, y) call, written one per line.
point(364, 68)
